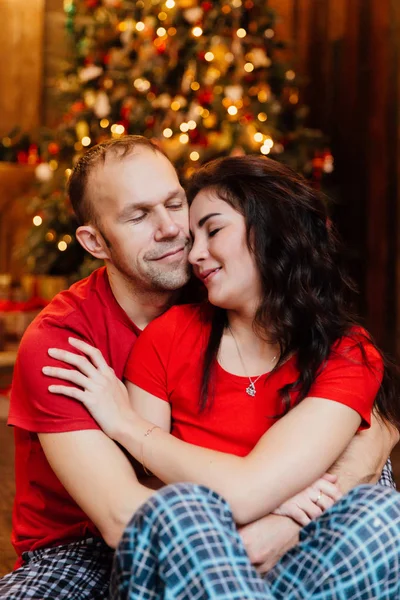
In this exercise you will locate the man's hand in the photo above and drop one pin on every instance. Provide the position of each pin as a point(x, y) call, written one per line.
point(269, 538)
point(366, 455)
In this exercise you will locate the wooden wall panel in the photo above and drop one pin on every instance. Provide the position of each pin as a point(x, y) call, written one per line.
point(377, 161)
point(21, 48)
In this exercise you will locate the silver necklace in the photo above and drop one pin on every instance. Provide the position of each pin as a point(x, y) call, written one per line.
point(251, 388)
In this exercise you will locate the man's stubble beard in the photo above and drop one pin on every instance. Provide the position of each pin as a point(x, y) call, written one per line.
point(154, 278)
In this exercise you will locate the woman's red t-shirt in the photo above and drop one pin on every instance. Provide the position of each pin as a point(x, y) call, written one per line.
point(167, 362)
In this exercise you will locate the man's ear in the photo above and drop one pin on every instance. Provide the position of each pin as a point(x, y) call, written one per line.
point(92, 241)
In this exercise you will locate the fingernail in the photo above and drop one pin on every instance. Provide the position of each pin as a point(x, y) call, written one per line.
point(52, 351)
point(46, 369)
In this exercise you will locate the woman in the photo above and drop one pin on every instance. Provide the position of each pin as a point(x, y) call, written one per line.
point(275, 345)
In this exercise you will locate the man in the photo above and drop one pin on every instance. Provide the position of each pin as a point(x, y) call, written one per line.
point(73, 483)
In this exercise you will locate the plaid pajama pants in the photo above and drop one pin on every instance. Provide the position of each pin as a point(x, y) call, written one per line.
point(182, 544)
point(81, 571)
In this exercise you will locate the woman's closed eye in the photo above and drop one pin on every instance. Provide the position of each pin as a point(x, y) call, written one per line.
point(213, 232)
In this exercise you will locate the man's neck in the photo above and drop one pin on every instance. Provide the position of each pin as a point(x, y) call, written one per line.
point(141, 306)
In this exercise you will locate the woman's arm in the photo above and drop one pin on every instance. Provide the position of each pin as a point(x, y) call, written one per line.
point(290, 456)
point(297, 450)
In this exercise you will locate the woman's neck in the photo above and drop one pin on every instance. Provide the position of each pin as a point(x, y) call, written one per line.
point(244, 352)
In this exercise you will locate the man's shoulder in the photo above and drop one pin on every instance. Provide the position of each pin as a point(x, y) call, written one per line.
point(69, 309)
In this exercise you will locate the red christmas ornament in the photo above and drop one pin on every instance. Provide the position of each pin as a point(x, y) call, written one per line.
point(106, 58)
point(91, 3)
point(161, 48)
point(125, 111)
point(205, 96)
point(206, 6)
point(78, 106)
point(53, 148)
point(22, 157)
point(33, 155)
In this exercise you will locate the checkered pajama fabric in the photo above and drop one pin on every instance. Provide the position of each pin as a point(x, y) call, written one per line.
point(81, 570)
point(387, 478)
point(78, 571)
point(182, 544)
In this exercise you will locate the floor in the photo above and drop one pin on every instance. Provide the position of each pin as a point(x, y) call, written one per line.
point(7, 555)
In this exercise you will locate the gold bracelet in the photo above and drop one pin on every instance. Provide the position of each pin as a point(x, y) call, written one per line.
point(148, 432)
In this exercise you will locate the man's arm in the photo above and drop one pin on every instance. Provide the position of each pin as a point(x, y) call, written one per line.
point(366, 455)
point(98, 476)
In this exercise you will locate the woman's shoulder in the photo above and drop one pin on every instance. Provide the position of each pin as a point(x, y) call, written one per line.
point(357, 344)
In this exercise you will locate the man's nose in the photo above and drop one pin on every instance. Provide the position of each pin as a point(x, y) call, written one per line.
point(167, 228)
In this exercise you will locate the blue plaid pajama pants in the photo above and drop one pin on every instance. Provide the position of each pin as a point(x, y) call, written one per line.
point(81, 571)
point(182, 544)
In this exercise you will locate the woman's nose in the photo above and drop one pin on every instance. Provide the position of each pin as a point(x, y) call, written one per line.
point(198, 253)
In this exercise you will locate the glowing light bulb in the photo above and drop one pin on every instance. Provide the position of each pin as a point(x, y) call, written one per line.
point(37, 220)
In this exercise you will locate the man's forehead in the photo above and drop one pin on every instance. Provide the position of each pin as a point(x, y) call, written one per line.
point(122, 183)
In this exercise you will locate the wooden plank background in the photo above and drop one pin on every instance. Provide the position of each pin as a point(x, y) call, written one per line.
point(21, 73)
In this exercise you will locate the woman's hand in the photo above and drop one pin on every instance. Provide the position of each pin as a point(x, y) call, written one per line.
point(311, 502)
point(100, 390)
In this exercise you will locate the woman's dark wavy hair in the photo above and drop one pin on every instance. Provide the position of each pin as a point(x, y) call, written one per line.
point(305, 307)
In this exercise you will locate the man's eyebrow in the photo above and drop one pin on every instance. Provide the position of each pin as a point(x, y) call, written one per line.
point(205, 219)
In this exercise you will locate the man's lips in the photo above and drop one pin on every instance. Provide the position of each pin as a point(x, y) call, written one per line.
point(170, 253)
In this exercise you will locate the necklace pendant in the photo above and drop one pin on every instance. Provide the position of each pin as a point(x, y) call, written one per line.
point(251, 390)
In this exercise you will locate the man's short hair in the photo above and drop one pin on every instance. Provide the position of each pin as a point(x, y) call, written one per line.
point(78, 181)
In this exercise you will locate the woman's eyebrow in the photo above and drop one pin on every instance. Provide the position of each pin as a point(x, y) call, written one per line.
point(205, 219)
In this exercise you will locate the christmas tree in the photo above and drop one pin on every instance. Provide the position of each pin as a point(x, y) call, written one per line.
point(204, 78)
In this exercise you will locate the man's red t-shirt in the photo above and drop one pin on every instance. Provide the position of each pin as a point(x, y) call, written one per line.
point(167, 361)
point(44, 513)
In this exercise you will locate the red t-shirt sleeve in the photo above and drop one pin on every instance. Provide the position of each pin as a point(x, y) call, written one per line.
point(348, 379)
point(32, 406)
point(149, 360)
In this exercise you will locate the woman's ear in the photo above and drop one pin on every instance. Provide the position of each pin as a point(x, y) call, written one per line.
point(92, 241)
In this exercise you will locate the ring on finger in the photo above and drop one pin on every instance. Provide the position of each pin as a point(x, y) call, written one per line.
point(318, 499)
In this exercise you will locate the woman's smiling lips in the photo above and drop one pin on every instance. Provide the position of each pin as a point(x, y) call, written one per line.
point(208, 274)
